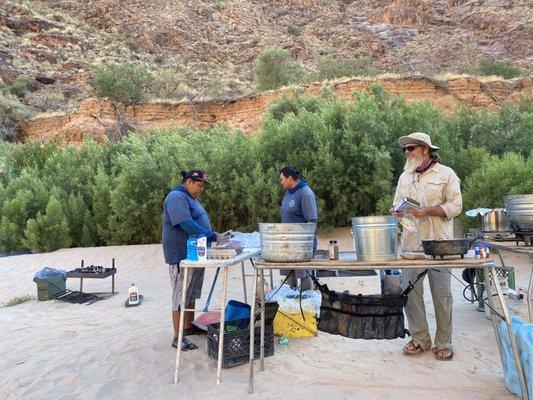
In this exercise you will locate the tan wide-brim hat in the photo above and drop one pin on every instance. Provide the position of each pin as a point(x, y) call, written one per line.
point(417, 138)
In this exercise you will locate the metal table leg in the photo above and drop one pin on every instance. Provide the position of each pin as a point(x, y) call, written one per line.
point(81, 284)
point(271, 279)
point(262, 343)
point(507, 320)
point(222, 325)
point(530, 297)
point(244, 282)
point(252, 334)
point(493, 316)
point(182, 321)
point(113, 283)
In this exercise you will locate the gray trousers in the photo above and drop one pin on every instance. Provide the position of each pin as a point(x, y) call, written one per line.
point(415, 310)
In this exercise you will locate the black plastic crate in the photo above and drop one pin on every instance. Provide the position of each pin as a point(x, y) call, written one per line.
point(237, 342)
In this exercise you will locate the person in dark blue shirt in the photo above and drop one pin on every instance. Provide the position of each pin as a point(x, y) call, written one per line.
point(299, 205)
point(183, 215)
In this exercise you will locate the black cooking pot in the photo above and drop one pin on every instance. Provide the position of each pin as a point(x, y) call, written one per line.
point(446, 247)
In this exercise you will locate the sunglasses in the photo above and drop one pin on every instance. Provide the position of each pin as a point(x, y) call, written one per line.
point(409, 148)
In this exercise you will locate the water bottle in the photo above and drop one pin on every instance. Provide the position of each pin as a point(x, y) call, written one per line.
point(476, 250)
point(192, 248)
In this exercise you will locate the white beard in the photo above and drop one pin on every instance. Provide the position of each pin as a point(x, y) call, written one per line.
point(412, 163)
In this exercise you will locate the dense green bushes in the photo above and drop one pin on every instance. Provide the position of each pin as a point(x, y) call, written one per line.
point(111, 193)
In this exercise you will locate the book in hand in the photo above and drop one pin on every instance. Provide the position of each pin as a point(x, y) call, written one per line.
point(405, 204)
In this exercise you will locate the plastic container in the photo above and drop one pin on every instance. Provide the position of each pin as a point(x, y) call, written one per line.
point(477, 250)
point(237, 342)
point(133, 295)
point(237, 310)
point(294, 326)
point(50, 287)
point(237, 338)
point(523, 333)
point(192, 251)
point(201, 247)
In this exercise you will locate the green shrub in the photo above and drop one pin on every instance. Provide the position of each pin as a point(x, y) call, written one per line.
point(497, 177)
point(14, 216)
point(20, 85)
point(295, 30)
point(505, 69)
point(275, 68)
point(329, 68)
point(123, 84)
point(509, 130)
point(12, 114)
point(48, 231)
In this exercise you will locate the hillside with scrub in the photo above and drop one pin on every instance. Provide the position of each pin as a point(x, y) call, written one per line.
point(51, 51)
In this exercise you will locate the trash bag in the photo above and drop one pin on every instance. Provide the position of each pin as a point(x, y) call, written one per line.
point(47, 272)
point(289, 299)
point(246, 239)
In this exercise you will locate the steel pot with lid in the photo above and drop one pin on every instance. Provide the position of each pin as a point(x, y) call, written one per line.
point(494, 221)
point(520, 211)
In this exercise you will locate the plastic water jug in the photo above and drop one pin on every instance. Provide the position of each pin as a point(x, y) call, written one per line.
point(192, 251)
point(133, 294)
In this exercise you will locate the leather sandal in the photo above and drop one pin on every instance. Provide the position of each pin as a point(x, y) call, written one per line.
point(186, 344)
point(413, 347)
point(439, 354)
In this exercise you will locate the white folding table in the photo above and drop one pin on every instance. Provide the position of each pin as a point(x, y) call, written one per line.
point(247, 254)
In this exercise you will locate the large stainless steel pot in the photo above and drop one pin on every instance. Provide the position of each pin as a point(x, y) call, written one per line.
point(375, 237)
point(287, 242)
point(494, 221)
point(520, 212)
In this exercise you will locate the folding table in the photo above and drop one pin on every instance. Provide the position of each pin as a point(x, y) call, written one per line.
point(247, 254)
point(347, 262)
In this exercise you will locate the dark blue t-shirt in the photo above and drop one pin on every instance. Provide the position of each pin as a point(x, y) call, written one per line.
point(178, 207)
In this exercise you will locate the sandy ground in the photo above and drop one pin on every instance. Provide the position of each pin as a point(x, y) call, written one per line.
point(55, 350)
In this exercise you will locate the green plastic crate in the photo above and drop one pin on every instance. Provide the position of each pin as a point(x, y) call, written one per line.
point(50, 288)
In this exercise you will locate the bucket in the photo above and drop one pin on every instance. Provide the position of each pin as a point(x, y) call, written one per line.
point(375, 238)
point(287, 242)
point(237, 310)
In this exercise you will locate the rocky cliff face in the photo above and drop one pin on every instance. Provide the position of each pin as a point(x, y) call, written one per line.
point(93, 116)
point(212, 44)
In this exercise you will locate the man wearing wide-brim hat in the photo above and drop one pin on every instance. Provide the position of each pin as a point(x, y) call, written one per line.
point(437, 189)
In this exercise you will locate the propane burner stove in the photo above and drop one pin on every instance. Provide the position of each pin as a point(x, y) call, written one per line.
point(502, 236)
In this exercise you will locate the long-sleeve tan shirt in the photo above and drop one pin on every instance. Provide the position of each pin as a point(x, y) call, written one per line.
point(438, 186)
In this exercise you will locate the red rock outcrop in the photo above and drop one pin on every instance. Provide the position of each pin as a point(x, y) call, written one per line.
point(93, 116)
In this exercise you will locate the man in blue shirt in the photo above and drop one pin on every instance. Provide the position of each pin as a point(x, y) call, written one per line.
point(183, 215)
point(299, 205)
